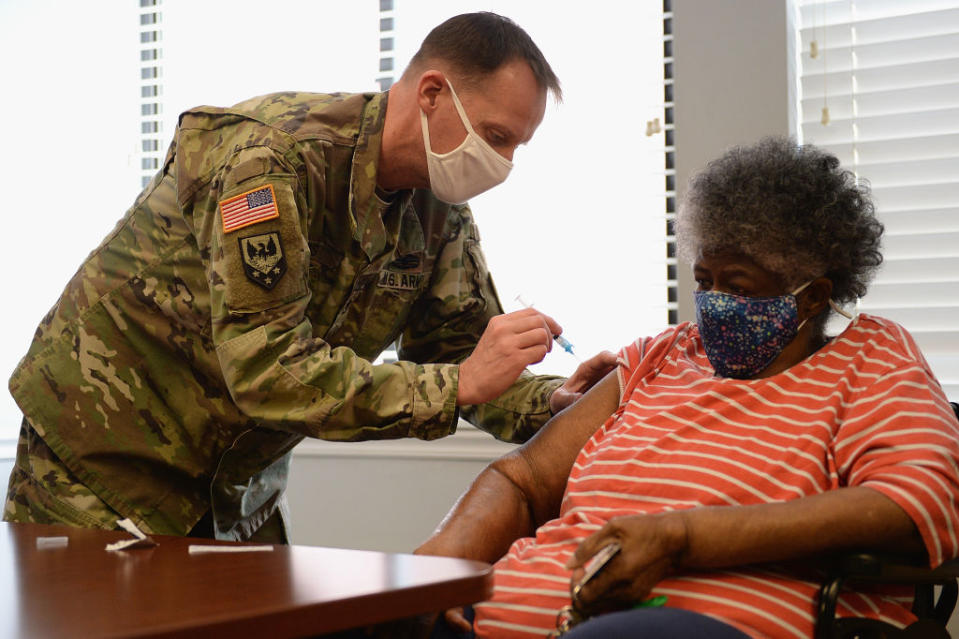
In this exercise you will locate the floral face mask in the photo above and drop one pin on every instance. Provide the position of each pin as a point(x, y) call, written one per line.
point(743, 335)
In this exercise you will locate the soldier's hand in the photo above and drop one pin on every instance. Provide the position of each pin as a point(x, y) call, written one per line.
point(587, 374)
point(509, 344)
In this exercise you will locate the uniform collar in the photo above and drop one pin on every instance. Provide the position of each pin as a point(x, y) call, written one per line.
point(365, 211)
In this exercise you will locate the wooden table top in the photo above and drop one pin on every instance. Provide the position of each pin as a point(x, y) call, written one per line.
point(82, 590)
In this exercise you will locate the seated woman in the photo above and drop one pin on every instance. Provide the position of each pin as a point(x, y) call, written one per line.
point(725, 455)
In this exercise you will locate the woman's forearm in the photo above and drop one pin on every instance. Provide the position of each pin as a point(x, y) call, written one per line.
point(655, 547)
point(847, 518)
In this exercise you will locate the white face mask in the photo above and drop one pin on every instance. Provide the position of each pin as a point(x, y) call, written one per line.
point(469, 169)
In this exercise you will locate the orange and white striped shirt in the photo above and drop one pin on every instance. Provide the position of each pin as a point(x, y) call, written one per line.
point(864, 410)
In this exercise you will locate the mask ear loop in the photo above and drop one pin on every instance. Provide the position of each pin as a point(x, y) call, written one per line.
point(460, 109)
point(839, 309)
point(832, 305)
point(471, 133)
point(465, 120)
point(794, 294)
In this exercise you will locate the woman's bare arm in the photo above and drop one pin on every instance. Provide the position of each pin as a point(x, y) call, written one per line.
point(523, 489)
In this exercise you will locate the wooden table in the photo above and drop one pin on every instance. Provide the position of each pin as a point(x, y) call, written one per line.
point(81, 590)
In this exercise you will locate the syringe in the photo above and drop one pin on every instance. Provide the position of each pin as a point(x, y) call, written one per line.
point(559, 339)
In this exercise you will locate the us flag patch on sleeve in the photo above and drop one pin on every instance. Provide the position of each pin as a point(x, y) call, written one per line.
point(248, 208)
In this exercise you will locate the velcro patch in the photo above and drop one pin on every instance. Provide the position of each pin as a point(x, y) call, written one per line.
point(405, 263)
point(248, 208)
point(263, 259)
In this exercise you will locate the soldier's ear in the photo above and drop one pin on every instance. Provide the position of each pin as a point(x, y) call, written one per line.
point(430, 84)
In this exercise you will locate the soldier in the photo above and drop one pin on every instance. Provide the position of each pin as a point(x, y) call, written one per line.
point(238, 305)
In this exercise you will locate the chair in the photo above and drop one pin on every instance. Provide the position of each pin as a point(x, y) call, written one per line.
point(933, 613)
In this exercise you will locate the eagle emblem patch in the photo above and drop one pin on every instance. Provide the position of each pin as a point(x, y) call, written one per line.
point(263, 259)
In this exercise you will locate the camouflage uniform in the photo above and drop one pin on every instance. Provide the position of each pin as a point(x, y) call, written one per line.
point(194, 348)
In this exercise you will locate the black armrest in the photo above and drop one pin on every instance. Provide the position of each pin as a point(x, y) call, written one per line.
point(892, 569)
point(895, 568)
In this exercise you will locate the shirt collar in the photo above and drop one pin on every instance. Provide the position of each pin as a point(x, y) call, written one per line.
point(365, 209)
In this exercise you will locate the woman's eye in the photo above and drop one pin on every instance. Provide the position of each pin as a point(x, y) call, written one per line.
point(704, 285)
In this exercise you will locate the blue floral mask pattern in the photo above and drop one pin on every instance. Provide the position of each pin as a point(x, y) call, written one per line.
point(743, 335)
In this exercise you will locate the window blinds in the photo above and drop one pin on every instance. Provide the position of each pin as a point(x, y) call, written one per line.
point(888, 73)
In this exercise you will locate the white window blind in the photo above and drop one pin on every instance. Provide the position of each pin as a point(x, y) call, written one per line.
point(888, 73)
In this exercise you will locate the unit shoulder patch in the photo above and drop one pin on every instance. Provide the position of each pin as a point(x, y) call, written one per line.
point(263, 259)
point(248, 208)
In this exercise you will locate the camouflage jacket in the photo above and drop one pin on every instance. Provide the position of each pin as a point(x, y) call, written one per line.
point(237, 308)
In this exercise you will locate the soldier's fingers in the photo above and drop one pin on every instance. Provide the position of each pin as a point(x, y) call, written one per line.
point(552, 325)
point(534, 354)
point(524, 320)
point(535, 336)
point(530, 313)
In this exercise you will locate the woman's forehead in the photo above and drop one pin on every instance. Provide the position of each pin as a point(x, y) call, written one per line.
point(725, 258)
point(730, 263)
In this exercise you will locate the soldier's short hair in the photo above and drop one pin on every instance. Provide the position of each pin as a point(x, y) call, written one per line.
point(477, 44)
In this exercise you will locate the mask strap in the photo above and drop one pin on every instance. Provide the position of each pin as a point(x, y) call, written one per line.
point(424, 124)
point(801, 288)
point(832, 304)
point(460, 109)
point(794, 294)
point(470, 133)
point(839, 310)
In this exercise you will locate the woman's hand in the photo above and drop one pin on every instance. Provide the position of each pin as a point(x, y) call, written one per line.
point(582, 379)
point(652, 547)
point(455, 619)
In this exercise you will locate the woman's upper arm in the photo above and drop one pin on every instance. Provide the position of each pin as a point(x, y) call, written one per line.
point(542, 465)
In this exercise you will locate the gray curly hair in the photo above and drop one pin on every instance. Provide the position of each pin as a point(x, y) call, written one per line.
point(789, 208)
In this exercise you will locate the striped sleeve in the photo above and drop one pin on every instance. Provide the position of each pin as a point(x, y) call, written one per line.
point(639, 359)
point(899, 436)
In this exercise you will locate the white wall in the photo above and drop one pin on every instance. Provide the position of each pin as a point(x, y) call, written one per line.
point(382, 495)
point(734, 83)
point(5, 467)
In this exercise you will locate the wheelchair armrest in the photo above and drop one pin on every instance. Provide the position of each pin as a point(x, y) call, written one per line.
point(894, 568)
point(890, 568)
